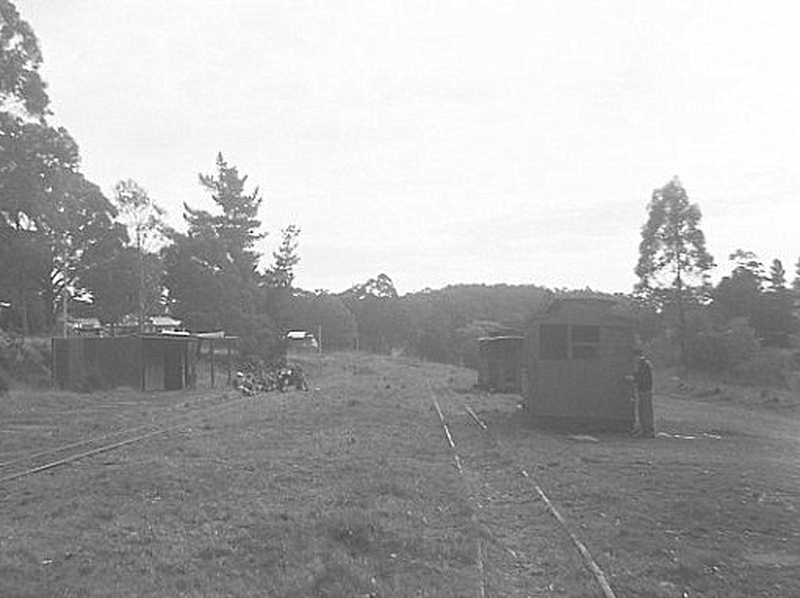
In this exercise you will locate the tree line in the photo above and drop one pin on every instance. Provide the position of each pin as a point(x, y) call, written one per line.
point(722, 327)
point(66, 247)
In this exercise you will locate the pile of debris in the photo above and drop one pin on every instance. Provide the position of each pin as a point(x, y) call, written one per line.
point(256, 377)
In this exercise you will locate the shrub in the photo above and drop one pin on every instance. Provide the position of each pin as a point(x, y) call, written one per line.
point(717, 351)
point(768, 367)
point(25, 360)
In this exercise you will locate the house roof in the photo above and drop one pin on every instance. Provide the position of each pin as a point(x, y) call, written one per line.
point(298, 335)
point(85, 322)
point(582, 307)
point(164, 321)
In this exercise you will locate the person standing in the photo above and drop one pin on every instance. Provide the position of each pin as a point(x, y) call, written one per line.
point(643, 381)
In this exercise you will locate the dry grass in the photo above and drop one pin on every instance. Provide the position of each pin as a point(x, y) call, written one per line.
point(350, 490)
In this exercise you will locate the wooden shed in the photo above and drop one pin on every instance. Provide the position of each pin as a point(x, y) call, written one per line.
point(577, 354)
point(500, 363)
point(149, 362)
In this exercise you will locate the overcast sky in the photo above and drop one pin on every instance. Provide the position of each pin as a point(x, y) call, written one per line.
point(445, 141)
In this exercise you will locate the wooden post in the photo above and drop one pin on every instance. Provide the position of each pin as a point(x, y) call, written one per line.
point(142, 364)
point(211, 342)
point(64, 311)
point(185, 364)
point(228, 343)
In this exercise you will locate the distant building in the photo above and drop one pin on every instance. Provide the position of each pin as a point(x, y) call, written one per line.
point(301, 340)
point(84, 327)
point(129, 324)
point(162, 324)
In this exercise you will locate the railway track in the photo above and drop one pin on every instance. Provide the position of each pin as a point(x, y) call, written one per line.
point(31, 463)
point(524, 544)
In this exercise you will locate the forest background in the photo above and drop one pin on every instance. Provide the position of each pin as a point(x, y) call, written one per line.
point(67, 250)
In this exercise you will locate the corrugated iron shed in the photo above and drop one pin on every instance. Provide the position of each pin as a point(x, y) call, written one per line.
point(144, 362)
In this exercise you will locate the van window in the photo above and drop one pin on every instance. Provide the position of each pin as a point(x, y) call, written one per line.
point(585, 342)
point(553, 341)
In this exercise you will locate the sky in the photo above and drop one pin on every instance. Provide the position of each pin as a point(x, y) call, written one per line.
point(448, 141)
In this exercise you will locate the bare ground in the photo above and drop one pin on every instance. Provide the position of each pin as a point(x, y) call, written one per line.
point(350, 490)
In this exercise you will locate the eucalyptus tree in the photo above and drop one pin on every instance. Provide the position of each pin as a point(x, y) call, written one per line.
point(673, 260)
point(22, 89)
point(51, 218)
point(144, 221)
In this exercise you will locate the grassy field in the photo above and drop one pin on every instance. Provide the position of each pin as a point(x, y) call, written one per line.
point(350, 489)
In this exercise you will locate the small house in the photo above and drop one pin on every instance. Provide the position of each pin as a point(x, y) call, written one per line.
point(300, 340)
point(500, 363)
point(577, 354)
point(84, 326)
point(160, 324)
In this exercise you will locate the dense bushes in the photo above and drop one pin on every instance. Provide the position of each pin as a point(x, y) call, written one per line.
point(767, 367)
point(721, 350)
point(24, 360)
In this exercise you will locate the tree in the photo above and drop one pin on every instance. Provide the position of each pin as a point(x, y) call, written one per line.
point(742, 295)
point(82, 234)
point(382, 322)
point(210, 272)
point(777, 276)
point(281, 274)
point(21, 86)
point(737, 294)
point(237, 225)
point(772, 318)
point(114, 291)
point(380, 287)
point(144, 221)
point(796, 281)
point(325, 312)
point(35, 160)
point(672, 252)
point(278, 279)
point(748, 262)
point(140, 214)
point(53, 222)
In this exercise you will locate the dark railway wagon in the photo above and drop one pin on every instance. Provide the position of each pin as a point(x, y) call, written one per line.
point(500, 363)
point(577, 354)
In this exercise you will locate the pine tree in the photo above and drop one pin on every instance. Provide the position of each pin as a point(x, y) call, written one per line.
point(282, 272)
point(237, 225)
point(211, 271)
